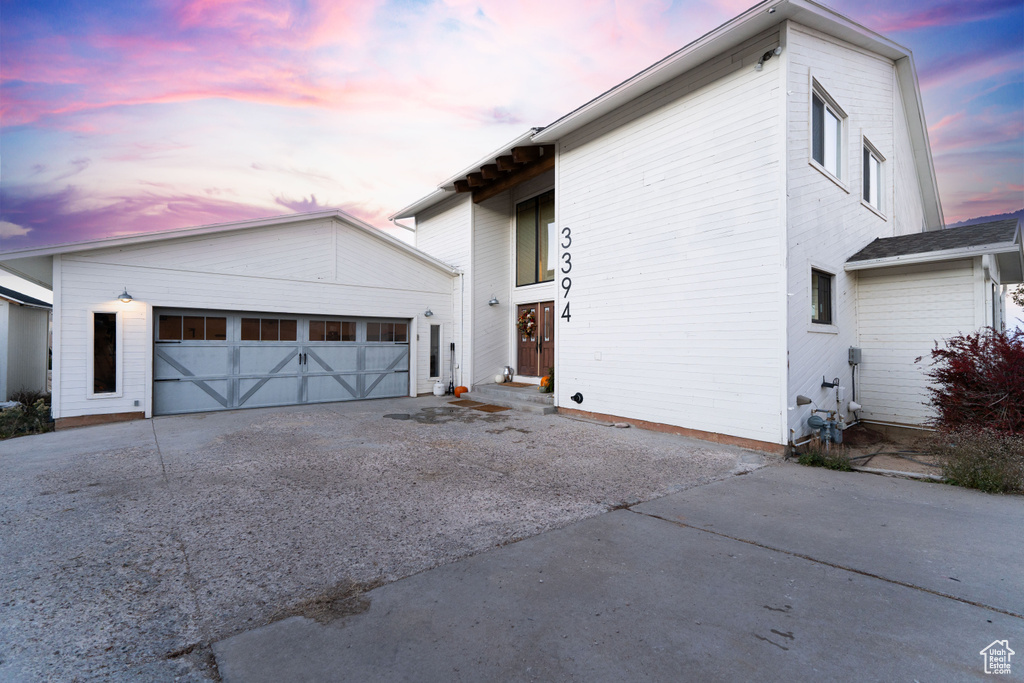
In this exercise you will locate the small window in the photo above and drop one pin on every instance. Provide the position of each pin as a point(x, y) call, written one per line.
point(269, 329)
point(169, 327)
point(872, 176)
point(250, 329)
point(104, 353)
point(821, 297)
point(193, 327)
point(435, 350)
point(826, 132)
point(373, 332)
point(216, 329)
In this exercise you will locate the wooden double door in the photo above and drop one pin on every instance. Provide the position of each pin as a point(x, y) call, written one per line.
point(536, 352)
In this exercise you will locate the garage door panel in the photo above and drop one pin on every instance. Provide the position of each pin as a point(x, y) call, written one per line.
point(331, 358)
point(190, 397)
point(268, 391)
point(336, 387)
point(390, 384)
point(382, 358)
point(268, 360)
point(173, 361)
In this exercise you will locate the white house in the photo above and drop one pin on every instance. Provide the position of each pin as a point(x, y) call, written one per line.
point(683, 239)
point(297, 309)
point(750, 222)
point(24, 331)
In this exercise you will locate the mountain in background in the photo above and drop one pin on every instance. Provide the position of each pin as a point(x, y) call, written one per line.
point(1019, 213)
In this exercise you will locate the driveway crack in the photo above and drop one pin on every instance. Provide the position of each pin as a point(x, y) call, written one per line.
point(833, 565)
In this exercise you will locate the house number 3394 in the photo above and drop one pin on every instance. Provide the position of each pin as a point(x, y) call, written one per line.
point(566, 269)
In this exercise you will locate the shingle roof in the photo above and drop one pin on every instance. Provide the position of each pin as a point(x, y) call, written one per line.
point(22, 298)
point(979, 235)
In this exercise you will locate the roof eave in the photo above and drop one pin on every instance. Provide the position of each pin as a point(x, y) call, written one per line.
point(933, 256)
point(160, 235)
point(422, 204)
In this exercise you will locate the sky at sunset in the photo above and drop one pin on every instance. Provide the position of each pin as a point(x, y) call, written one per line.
point(133, 115)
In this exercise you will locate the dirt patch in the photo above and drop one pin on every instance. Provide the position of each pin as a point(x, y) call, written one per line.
point(343, 600)
point(867, 447)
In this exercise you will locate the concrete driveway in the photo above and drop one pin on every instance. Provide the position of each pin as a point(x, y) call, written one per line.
point(786, 574)
point(127, 549)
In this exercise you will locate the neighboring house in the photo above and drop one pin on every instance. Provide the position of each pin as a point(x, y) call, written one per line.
point(24, 331)
point(683, 239)
point(297, 309)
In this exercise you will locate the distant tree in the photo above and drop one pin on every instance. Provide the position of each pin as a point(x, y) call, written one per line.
point(1018, 295)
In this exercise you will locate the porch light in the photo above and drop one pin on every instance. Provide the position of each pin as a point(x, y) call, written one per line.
point(427, 313)
point(494, 301)
point(125, 297)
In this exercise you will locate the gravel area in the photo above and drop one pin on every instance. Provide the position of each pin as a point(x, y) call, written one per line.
point(126, 549)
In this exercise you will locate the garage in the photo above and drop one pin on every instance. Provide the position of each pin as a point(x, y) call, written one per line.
point(288, 310)
point(219, 360)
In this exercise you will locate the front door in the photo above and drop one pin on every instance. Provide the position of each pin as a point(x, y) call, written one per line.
point(536, 351)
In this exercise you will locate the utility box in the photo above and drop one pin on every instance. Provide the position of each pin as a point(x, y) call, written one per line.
point(854, 355)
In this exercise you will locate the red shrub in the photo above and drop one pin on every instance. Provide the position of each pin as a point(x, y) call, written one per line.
point(979, 381)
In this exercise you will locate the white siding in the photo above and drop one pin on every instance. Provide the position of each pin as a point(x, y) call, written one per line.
point(445, 232)
point(903, 312)
point(26, 348)
point(828, 223)
point(367, 278)
point(675, 212)
point(492, 272)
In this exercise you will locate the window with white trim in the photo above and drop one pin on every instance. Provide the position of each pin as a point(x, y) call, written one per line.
point(872, 191)
point(821, 297)
point(104, 353)
point(827, 123)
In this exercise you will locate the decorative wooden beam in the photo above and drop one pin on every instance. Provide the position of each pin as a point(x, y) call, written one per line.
point(506, 163)
point(524, 155)
point(475, 180)
point(541, 165)
point(462, 186)
point(490, 171)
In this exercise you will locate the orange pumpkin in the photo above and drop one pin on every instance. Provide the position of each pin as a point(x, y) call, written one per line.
point(545, 381)
point(459, 391)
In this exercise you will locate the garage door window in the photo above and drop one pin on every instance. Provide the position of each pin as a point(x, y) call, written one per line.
point(386, 332)
point(177, 327)
point(332, 331)
point(269, 329)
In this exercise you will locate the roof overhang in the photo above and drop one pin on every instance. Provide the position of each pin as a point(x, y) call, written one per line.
point(36, 265)
point(1008, 255)
point(453, 185)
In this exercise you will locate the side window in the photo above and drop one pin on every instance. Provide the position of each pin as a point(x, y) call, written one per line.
point(536, 245)
point(821, 297)
point(872, 190)
point(104, 353)
point(828, 125)
point(435, 350)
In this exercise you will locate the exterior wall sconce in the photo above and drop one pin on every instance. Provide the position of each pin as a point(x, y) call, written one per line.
point(125, 297)
point(493, 302)
point(427, 313)
point(766, 56)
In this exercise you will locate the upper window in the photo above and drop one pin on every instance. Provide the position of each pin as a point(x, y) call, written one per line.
point(827, 132)
point(872, 191)
point(269, 329)
point(821, 297)
point(535, 240)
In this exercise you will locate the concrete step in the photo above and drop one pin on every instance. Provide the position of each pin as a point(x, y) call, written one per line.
point(529, 394)
point(524, 399)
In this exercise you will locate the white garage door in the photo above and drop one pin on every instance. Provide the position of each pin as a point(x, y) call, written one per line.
point(216, 360)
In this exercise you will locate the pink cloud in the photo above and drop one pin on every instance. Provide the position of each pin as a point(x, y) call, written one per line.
point(947, 14)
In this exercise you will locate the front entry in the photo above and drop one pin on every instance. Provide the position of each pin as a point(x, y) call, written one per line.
point(536, 352)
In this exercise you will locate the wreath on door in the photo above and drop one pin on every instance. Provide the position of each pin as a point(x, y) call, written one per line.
point(527, 323)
